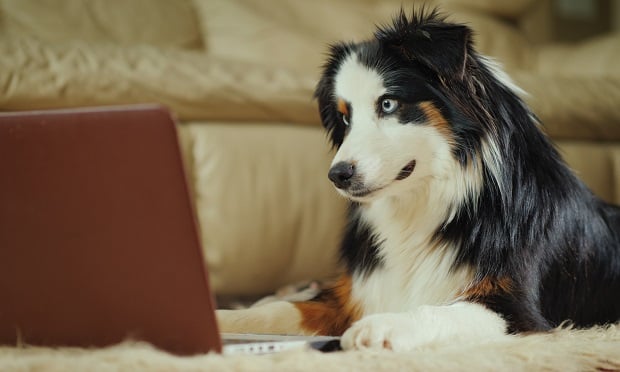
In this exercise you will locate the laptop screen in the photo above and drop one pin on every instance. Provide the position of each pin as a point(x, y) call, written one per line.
point(98, 240)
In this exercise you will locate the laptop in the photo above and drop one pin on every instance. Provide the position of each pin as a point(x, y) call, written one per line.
point(98, 236)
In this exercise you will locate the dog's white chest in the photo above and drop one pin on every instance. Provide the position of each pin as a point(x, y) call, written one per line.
point(408, 285)
point(416, 269)
point(413, 272)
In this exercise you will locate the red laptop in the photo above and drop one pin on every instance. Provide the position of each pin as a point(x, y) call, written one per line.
point(98, 241)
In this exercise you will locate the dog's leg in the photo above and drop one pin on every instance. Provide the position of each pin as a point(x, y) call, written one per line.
point(330, 313)
point(278, 317)
point(474, 317)
point(459, 322)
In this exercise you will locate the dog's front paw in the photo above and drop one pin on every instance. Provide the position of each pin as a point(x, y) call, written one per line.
point(428, 324)
point(393, 331)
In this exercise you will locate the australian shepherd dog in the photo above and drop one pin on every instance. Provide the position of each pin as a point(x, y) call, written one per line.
point(464, 222)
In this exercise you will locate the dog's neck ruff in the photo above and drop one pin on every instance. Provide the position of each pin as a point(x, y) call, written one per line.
point(416, 270)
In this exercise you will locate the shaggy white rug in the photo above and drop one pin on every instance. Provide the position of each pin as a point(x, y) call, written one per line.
point(561, 350)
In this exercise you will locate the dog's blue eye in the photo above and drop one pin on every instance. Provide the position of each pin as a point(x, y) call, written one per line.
point(345, 120)
point(389, 105)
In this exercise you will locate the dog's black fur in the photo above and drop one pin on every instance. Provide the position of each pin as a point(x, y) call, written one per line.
point(533, 222)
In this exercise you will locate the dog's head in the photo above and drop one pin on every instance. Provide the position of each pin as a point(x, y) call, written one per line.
point(385, 106)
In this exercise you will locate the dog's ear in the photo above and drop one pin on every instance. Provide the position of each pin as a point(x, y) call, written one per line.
point(324, 93)
point(426, 38)
point(443, 49)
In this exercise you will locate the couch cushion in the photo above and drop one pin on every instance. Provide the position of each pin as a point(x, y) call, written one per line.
point(199, 86)
point(153, 22)
point(267, 212)
point(574, 107)
point(597, 57)
point(193, 84)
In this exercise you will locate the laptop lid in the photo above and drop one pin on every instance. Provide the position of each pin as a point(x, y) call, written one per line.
point(98, 238)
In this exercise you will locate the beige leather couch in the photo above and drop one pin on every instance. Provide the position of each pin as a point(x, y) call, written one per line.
point(239, 74)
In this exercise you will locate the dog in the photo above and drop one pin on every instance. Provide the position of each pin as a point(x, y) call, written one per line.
point(464, 221)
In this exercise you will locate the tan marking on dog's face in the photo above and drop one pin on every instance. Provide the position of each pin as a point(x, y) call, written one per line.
point(342, 107)
point(333, 313)
point(436, 119)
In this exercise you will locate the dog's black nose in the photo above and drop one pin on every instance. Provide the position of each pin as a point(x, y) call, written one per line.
point(341, 174)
